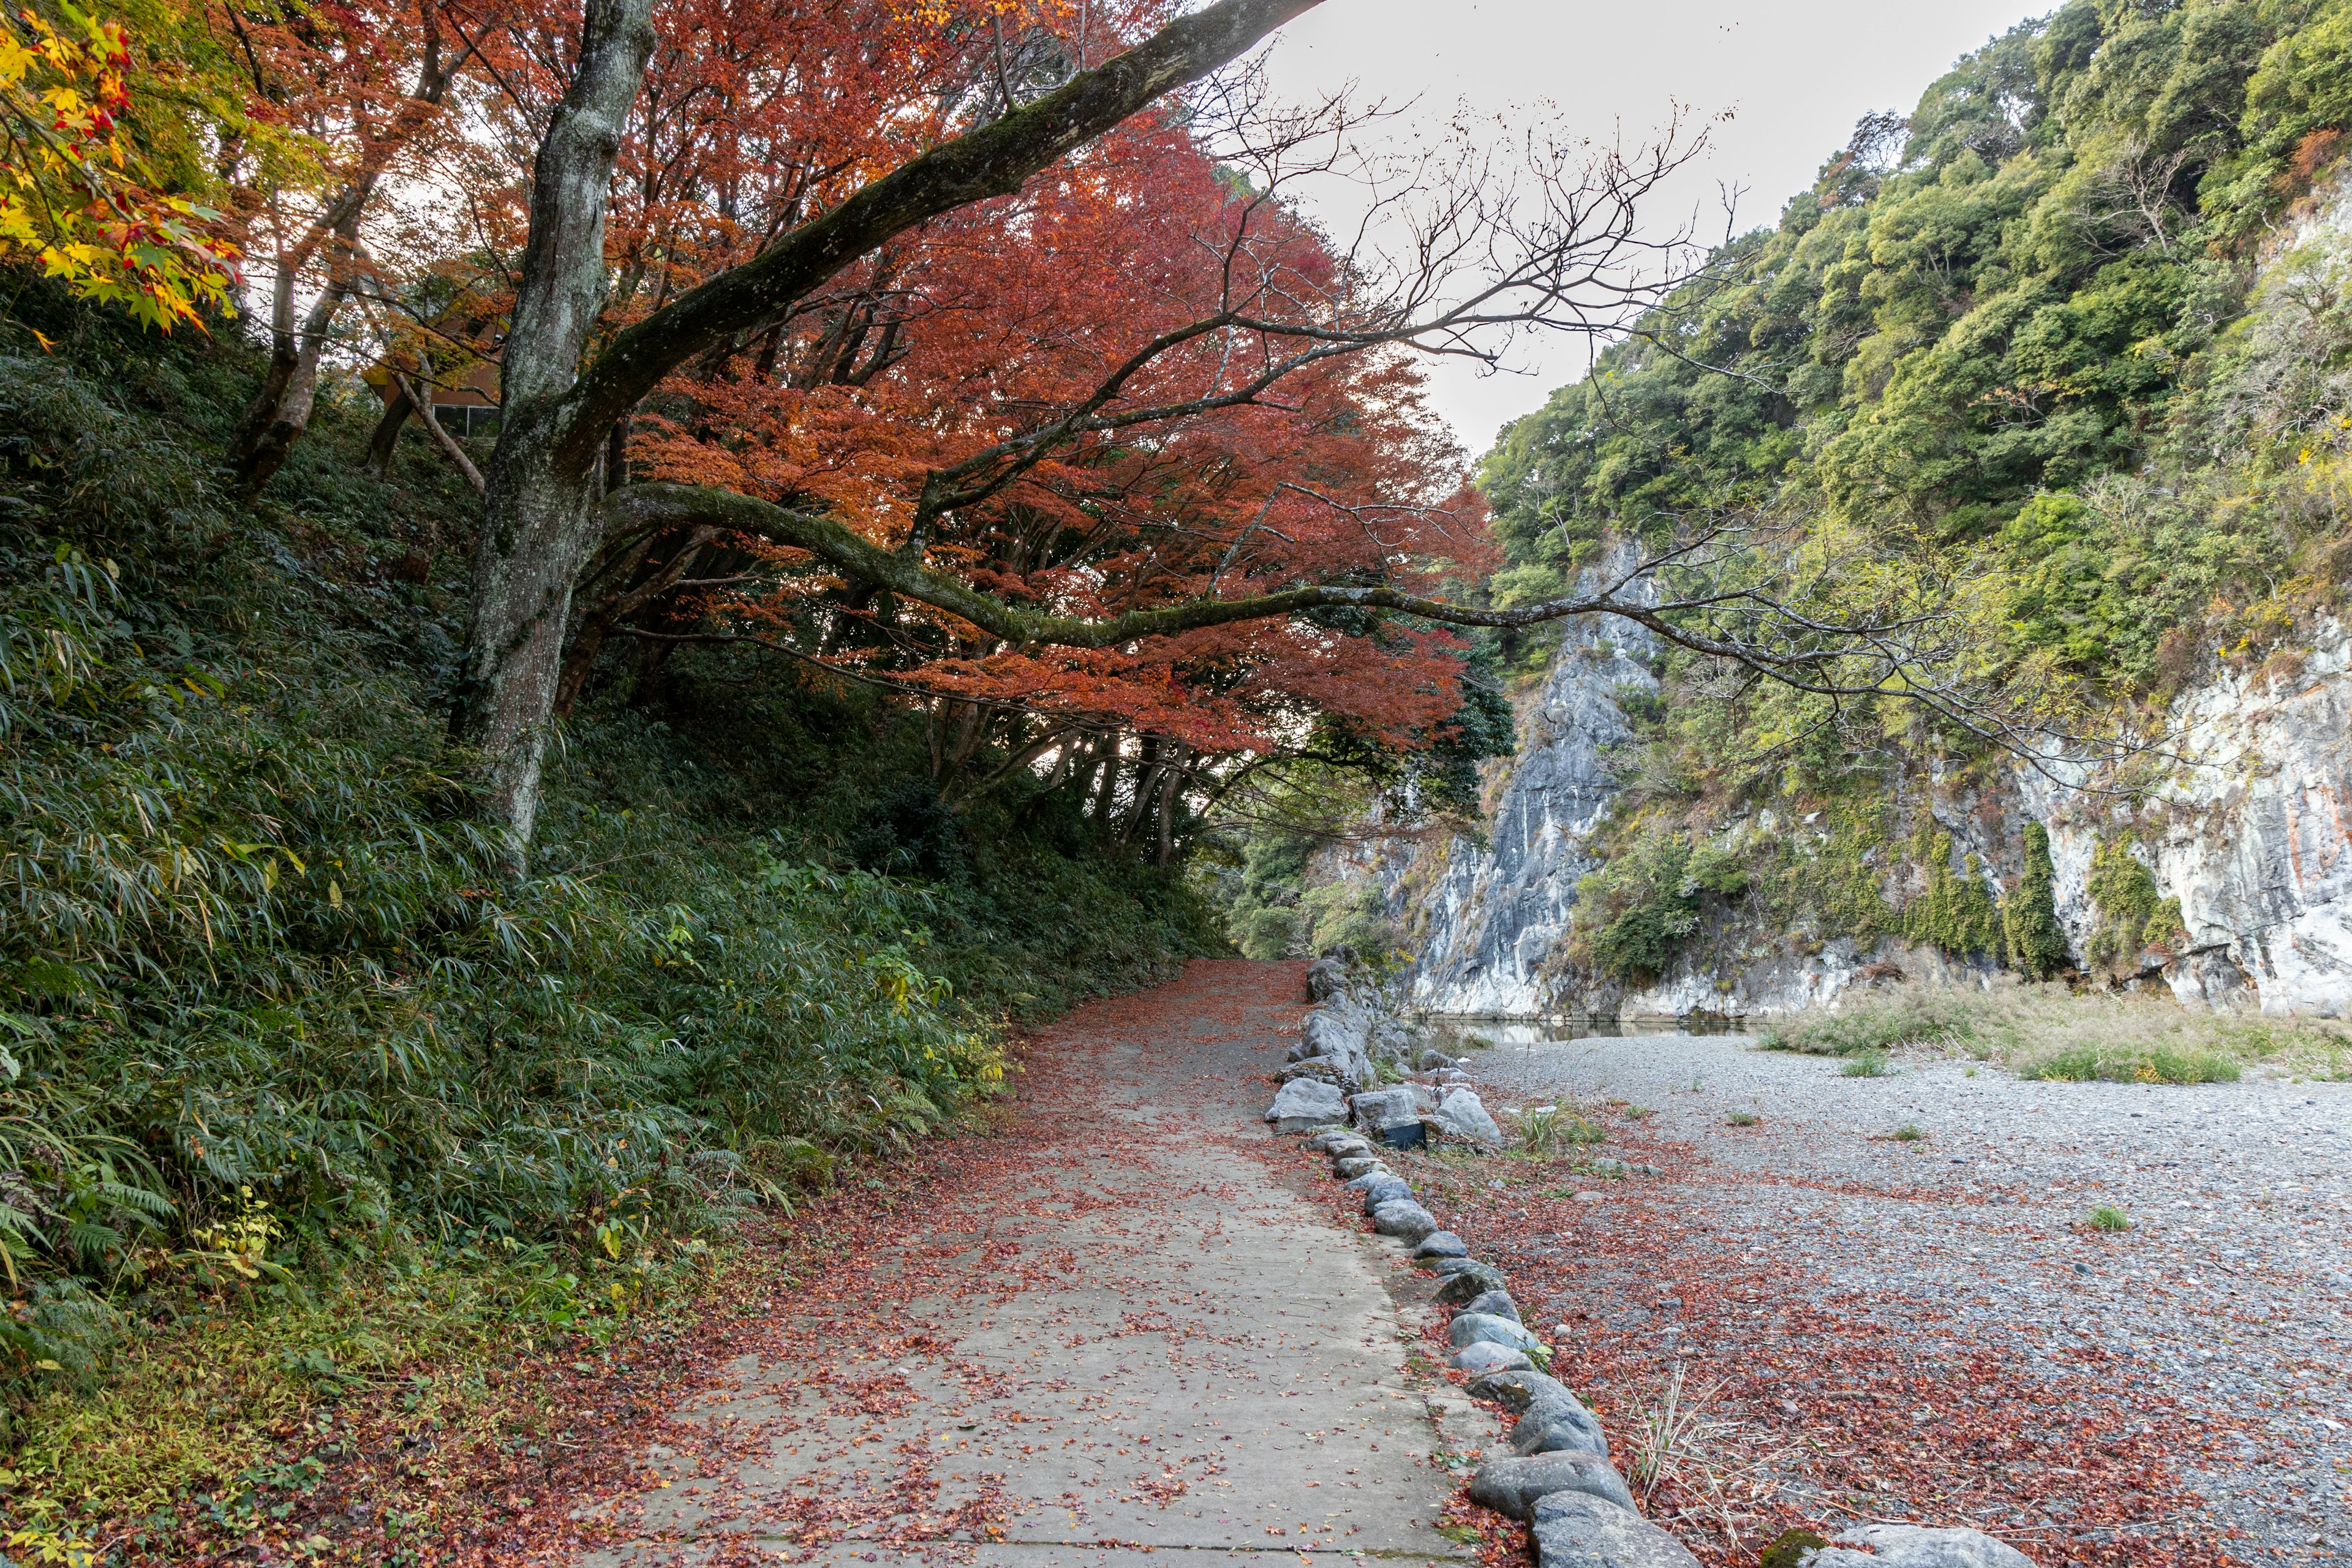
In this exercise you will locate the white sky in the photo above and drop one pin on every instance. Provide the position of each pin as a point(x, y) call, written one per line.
point(1796, 74)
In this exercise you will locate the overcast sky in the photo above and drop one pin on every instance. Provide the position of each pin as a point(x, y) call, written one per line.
point(1796, 74)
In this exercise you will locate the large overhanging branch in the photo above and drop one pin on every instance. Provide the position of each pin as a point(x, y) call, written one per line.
point(1898, 654)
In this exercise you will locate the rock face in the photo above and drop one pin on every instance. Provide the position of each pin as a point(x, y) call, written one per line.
point(1576, 1530)
point(1494, 917)
point(2251, 836)
point(2251, 833)
point(1915, 1546)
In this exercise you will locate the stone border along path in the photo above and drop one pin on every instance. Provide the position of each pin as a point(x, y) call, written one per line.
point(1132, 1339)
point(1555, 1473)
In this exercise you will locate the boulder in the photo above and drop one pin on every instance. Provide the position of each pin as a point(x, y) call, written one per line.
point(1469, 1284)
point(1915, 1546)
point(1447, 1267)
point(1325, 978)
point(1405, 1220)
point(1577, 1530)
point(1496, 1303)
point(1305, 1104)
point(1486, 1357)
point(1350, 1166)
point(1340, 1028)
point(1347, 1147)
point(1555, 1422)
point(1518, 1390)
point(1380, 1108)
point(1335, 1140)
point(1472, 1328)
point(1514, 1485)
point(1461, 1115)
point(1321, 1068)
point(1384, 1189)
point(1440, 1244)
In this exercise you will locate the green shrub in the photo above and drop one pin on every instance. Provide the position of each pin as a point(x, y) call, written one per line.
point(1868, 1064)
point(2151, 1064)
point(2108, 1218)
point(1929, 1017)
point(2036, 942)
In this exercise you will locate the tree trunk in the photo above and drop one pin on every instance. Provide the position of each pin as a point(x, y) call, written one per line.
point(1171, 787)
point(537, 529)
point(397, 409)
point(281, 408)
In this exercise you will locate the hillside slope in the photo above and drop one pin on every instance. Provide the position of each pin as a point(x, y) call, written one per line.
point(2075, 335)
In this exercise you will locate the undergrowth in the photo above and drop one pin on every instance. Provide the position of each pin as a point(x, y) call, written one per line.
point(299, 1090)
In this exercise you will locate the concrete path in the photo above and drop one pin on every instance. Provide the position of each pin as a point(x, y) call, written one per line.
point(1141, 1340)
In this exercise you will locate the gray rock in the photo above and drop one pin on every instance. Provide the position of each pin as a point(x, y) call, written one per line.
point(1358, 1184)
point(1406, 1220)
point(1338, 1028)
point(1513, 1485)
point(1486, 1357)
point(1469, 1284)
point(1915, 1546)
point(1556, 1421)
point(1471, 1328)
point(1386, 1189)
point(1446, 1268)
point(1440, 1244)
point(1329, 1140)
point(1385, 1107)
point(1495, 1303)
point(1461, 1115)
point(1306, 1103)
point(1518, 1390)
point(1319, 1067)
point(1325, 978)
point(1577, 1530)
point(1351, 1166)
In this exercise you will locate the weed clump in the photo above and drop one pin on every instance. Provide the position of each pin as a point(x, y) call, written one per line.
point(1868, 1064)
point(1908, 1132)
point(1544, 1133)
point(1742, 1119)
point(1933, 1017)
point(2158, 1064)
point(2108, 1218)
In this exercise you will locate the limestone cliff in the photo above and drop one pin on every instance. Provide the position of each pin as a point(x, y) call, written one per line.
point(2248, 830)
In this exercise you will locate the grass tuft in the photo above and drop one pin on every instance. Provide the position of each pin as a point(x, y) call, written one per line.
point(1742, 1119)
point(2157, 1063)
point(2108, 1218)
point(1908, 1132)
point(1868, 1064)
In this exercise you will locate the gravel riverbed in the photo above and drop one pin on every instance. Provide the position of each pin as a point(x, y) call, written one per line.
point(1930, 1327)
